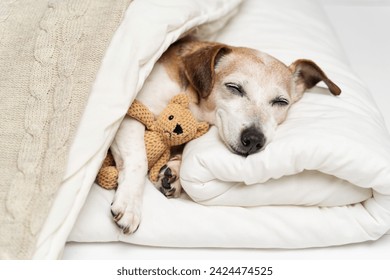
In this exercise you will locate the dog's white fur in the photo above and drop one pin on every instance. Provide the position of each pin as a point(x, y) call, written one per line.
point(250, 91)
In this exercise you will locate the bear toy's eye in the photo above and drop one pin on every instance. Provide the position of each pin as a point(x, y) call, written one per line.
point(170, 117)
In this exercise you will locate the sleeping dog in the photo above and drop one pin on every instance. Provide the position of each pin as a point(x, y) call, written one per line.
point(245, 93)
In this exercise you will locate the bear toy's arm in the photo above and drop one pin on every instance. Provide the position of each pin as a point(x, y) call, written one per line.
point(203, 127)
point(141, 113)
point(108, 173)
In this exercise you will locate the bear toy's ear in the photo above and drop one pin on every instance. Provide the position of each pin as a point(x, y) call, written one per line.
point(181, 99)
point(203, 127)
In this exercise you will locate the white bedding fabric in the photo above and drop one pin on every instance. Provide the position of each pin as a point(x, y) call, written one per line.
point(149, 27)
point(343, 137)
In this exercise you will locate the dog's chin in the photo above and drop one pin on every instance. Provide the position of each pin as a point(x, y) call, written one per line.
point(241, 152)
point(235, 150)
point(233, 146)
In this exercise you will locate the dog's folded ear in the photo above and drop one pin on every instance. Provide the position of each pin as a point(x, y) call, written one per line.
point(199, 67)
point(307, 74)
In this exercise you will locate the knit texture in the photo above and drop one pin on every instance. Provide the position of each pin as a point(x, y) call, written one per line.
point(108, 174)
point(50, 52)
point(173, 127)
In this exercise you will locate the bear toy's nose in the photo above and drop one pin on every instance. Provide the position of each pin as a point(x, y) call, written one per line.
point(178, 130)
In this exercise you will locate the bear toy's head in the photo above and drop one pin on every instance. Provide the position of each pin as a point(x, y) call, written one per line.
point(177, 123)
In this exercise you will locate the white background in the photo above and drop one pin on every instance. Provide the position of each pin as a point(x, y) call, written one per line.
point(363, 28)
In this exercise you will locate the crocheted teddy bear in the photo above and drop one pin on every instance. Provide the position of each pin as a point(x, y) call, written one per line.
point(173, 127)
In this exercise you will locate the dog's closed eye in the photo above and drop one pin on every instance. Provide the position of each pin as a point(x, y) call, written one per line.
point(279, 101)
point(236, 89)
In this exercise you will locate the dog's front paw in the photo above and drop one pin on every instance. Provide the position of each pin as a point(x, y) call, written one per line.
point(168, 180)
point(126, 215)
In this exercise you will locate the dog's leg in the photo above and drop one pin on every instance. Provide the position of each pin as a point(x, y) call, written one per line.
point(129, 153)
point(169, 178)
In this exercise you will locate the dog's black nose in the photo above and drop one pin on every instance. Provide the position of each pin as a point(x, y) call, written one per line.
point(252, 140)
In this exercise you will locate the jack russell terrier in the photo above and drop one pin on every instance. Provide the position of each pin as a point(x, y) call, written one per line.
point(245, 93)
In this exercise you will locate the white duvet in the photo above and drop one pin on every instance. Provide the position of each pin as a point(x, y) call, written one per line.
point(324, 179)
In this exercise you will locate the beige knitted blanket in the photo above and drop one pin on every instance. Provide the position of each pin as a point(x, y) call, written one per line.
point(50, 51)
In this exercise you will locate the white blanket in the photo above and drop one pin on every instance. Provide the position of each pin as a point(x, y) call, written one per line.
point(324, 179)
point(148, 29)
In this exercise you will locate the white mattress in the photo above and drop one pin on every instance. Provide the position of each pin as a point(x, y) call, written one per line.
point(378, 249)
point(119, 250)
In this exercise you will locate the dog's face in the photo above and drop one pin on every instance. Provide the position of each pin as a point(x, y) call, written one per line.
point(249, 92)
point(251, 102)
